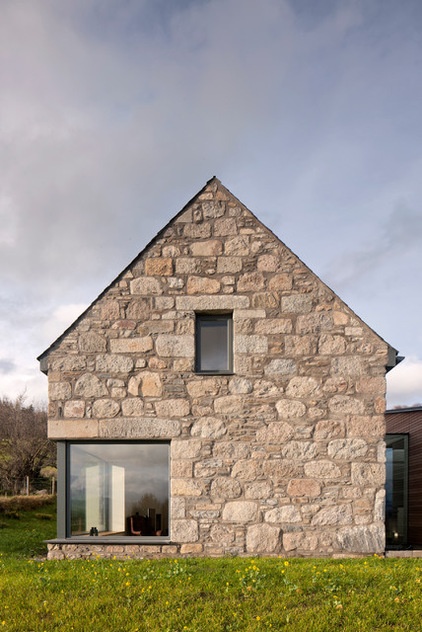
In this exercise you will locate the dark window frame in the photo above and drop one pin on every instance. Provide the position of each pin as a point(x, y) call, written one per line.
point(209, 317)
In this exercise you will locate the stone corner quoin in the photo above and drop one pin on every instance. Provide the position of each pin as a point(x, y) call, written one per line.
point(283, 455)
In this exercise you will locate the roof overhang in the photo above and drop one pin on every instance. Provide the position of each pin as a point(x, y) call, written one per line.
point(393, 358)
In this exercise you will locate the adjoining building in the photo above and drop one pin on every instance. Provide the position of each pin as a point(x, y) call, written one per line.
point(404, 478)
point(218, 398)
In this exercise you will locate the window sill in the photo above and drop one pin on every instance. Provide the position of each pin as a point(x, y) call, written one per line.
point(214, 372)
point(128, 539)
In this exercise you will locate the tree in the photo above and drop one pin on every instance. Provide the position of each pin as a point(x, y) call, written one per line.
point(24, 446)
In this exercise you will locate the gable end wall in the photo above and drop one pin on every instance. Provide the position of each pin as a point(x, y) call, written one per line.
point(285, 456)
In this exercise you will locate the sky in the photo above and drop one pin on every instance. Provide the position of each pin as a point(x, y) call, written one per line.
point(115, 113)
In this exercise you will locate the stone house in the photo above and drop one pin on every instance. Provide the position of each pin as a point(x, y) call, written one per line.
point(218, 399)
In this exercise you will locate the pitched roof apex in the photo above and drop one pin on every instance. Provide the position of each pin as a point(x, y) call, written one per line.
point(212, 181)
point(212, 185)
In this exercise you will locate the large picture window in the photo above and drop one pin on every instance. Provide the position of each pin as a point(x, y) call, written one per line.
point(214, 343)
point(117, 489)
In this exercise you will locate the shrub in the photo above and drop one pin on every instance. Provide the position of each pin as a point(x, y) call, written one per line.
point(25, 503)
point(43, 516)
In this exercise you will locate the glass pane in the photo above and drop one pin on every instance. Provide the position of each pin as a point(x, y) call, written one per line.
point(396, 490)
point(213, 344)
point(119, 489)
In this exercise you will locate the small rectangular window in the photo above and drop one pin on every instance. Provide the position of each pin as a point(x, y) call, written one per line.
point(214, 343)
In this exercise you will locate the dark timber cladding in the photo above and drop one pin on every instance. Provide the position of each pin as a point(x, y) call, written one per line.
point(409, 421)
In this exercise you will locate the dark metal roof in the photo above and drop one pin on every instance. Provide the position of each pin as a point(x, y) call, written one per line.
point(410, 409)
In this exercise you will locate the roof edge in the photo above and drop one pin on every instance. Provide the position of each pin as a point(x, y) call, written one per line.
point(42, 357)
point(405, 409)
point(393, 358)
point(393, 354)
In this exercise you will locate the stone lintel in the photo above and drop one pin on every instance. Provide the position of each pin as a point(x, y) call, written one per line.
point(73, 429)
point(194, 303)
point(138, 428)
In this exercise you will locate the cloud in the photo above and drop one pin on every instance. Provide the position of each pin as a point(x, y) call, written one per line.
point(25, 333)
point(404, 383)
point(7, 366)
point(397, 237)
point(115, 113)
point(93, 125)
point(60, 319)
point(104, 102)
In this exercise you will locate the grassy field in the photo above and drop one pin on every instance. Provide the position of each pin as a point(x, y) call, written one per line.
point(203, 595)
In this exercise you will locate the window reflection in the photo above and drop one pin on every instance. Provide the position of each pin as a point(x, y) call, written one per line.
point(118, 489)
point(213, 343)
point(396, 489)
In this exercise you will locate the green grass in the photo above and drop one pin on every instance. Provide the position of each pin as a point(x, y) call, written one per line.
point(203, 595)
point(25, 522)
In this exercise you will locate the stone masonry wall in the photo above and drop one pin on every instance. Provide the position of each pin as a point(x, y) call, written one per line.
point(285, 456)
